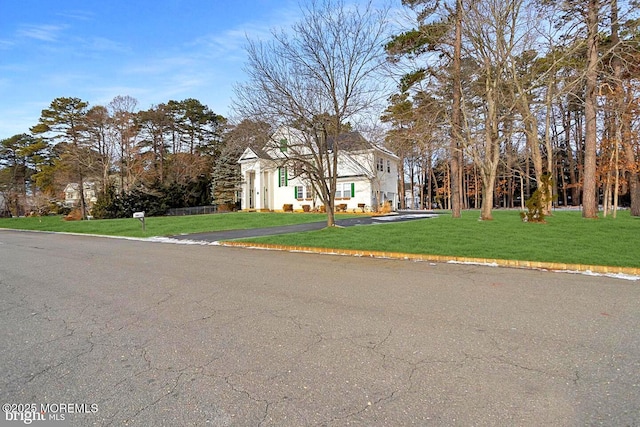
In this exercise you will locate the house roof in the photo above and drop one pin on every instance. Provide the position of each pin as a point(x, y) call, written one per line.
point(347, 142)
point(74, 186)
point(251, 153)
point(354, 141)
point(355, 167)
point(350, 141)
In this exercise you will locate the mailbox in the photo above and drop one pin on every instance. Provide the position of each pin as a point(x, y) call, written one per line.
point(140, 216)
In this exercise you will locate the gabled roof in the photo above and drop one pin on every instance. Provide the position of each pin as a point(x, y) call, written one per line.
point(350, 141)
point(74, 186)
point(354, 141)
point(386, 151)
point(355, 167)
point(253, 154)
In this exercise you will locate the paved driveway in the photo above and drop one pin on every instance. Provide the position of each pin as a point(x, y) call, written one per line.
point(158, 334)
point(216, 236)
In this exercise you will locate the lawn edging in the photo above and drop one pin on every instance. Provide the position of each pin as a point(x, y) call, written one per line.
point(533, 265)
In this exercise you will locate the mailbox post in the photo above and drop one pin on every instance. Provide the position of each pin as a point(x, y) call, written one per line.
point(140, 216)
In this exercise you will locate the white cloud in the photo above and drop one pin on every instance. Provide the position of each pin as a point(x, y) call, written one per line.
point(80, 15)
point(47, 33)
point(6, 44)
point(102, 44)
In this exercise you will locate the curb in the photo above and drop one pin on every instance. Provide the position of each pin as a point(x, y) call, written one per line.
point(533, 265)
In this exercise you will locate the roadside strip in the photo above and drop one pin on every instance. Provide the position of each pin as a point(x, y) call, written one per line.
point(629, 273)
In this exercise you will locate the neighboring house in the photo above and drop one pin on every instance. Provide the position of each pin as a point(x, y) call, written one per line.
point(72, 194)
point(367, 176)
point(412, 198)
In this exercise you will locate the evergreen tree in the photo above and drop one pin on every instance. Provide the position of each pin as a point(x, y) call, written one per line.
point(226, 177)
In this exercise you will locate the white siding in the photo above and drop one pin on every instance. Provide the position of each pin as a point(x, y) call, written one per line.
point(359, 168)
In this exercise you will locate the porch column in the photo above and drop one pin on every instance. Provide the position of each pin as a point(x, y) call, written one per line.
point(257, 188)
point(246, 190)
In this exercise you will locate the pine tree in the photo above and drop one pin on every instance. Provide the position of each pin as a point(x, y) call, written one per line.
point(227, 178)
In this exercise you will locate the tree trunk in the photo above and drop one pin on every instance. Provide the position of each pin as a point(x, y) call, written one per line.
point(550, 152)
point(429, 180)
point(489, 167)
point(331, 218)
point(456, 133)
point(589, 199)
point(634, 191)
point(488, 184)
point(530, 122)
point(332, 163)
point(631, 160)
point(618, 95)
point(83, 202)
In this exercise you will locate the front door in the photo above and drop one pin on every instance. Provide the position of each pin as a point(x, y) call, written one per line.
point(265, 191)
point(251, 190)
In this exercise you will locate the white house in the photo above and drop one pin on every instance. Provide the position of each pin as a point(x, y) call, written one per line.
point(367, 175)
point(72, 194)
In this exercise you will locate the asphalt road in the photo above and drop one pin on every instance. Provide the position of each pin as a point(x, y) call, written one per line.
point(157, 334)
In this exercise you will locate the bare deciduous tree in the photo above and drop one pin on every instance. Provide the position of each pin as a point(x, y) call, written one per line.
point(123, 109)
point(317, 77)
point(491, 29)
point(99, 130)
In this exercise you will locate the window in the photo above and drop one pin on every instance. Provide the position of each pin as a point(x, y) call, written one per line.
point(345, 190)
point(388, 166)
point(303, 192)
point(380, 165)
point(282, 177)
point(283, 145)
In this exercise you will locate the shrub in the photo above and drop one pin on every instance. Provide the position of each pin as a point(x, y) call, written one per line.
point(104, 207)
point(74, 215)
point(386, 207)
point(538, 202)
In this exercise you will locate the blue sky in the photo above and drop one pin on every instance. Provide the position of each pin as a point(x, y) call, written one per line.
point(153, 51)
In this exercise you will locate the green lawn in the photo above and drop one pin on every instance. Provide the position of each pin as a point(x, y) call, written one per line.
point(565, 238)
point(164, 226)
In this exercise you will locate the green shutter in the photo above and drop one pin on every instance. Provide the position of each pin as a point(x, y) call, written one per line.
point(279, 177)
point(353, 189)
point(295, 191)
point(286, 177)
